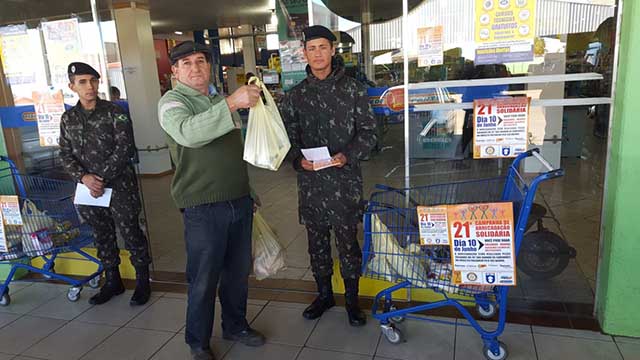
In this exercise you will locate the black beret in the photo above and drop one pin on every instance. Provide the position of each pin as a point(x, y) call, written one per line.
point(80, 68)
point(317, 32)
point(187, 48)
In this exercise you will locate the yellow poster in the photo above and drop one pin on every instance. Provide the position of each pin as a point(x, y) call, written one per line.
point(504, 31)
point(49, 107)
point(482, 244)
point(18, 60)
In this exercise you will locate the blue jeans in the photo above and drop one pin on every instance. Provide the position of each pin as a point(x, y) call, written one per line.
point(218, 240)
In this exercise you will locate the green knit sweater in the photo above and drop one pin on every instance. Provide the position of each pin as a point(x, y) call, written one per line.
point(205, 146)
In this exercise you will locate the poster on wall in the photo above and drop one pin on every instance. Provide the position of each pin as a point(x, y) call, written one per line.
point(430, 50)
point(500, 127)
point(18, 60)
point(62, 40)
point(49, 106)
point(504, 31)
point(482, 244)
point(293, 18)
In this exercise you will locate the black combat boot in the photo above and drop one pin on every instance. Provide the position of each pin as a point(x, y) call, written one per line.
point(143, 287)
point(356, 316)
point(323, 302)
point(112, 287)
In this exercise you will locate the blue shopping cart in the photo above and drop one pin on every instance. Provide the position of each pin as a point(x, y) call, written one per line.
point(392, 233)
point(50, 228)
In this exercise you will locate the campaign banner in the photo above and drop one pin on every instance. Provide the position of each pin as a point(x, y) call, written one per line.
point(482, 244)
point(501, 127)
point(49, 106)
point(433, 224)
point(430, 48)
point(10, 208)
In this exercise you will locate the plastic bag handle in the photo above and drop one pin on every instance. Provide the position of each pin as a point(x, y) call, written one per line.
point(255, 80)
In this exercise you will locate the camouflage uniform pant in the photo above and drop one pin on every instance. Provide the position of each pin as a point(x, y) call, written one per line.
point(123, 213)
point(348, 250)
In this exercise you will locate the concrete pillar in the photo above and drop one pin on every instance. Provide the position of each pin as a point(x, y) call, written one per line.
point(618, 290)
point(249, 50)
point(137, 52)
point(215, 54)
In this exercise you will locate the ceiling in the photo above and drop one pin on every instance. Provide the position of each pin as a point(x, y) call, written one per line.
point(381, 10)
point(166, 15)
point(171, 15)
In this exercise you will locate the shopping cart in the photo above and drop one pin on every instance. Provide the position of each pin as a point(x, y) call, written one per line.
point(391, 219)
point(51, 227)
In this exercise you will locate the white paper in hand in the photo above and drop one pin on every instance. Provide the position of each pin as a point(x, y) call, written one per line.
point(83, 197)
point(316, 154)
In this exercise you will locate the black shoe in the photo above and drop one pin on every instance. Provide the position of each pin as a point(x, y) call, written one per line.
point(323, 302)
point(202, 355)
point(356, 316)
point(318, 307)
point(247, 337)
point(112, 287)
point(143, 288)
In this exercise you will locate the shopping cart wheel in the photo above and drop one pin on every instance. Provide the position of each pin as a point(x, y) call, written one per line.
point(73, 294)
point(395, 319)
point(544, 255)
point(486, 311)
point(392, 334)
point(95, 282)
point(501, 356)
point(5, 300)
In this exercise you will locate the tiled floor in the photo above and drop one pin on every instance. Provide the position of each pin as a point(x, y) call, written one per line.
point(55, 329)
point(573, 200)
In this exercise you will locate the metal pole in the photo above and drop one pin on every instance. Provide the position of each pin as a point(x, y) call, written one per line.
point(101, 52)
point(405, 51)
point(365, 9)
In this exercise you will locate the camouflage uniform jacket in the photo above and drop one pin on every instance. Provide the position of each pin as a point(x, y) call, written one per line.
point(101, 143)
point(333, 112)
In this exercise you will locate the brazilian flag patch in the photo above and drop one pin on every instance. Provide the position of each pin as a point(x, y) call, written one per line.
point(122, 117)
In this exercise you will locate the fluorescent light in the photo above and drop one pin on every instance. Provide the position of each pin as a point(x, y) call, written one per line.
point(178, 32)
point(274, 18)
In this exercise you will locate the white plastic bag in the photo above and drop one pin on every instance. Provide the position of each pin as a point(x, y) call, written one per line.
point(266, 143)
point(268, 257)
point(394, 259)
point(35, 230)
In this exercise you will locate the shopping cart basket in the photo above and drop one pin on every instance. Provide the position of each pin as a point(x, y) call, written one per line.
point(391, 219)
point(51, 227)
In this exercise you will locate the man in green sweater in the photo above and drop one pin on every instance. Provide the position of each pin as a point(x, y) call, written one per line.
point(211, 189)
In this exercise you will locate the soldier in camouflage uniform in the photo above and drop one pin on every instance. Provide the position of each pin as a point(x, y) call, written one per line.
point(330, 109)
point(96, 147)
